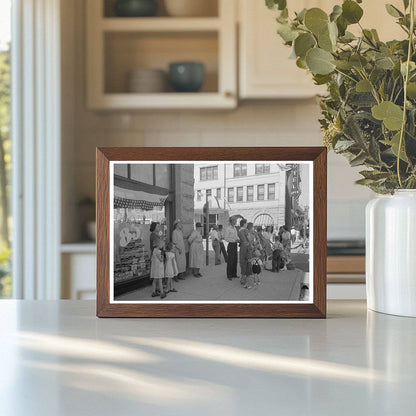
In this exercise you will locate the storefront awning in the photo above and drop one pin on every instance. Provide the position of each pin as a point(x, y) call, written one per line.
point(132, 194)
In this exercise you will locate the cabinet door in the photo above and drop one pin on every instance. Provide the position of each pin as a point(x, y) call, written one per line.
point(265, 68)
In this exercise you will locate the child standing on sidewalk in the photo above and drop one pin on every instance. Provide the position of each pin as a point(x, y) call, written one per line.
point(171, 269)
point(157, 271)
point(256, 265)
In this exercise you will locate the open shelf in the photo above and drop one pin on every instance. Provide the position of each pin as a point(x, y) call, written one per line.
point(160, 24)
point(108, 9)
point(116, 46)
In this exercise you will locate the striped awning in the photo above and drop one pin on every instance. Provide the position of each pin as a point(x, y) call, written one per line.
point(139, 196)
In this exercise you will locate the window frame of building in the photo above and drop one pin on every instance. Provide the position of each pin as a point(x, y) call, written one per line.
point(262, 168)
point(250, 195)
point(208, 173)
point(239, 170)
point(230, 190)
point(260, 196)
point(271, 196)
point(240, 194)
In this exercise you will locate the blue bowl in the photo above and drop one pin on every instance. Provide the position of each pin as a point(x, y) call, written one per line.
point(186, 76)
point(136, 8)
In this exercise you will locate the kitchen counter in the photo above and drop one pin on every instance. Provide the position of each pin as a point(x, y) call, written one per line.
point(58, 359)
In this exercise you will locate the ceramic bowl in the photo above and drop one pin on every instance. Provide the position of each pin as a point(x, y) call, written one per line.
point(186, 76)
point(136, 8)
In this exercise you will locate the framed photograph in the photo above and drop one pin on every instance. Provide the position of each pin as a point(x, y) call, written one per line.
point(211, 232)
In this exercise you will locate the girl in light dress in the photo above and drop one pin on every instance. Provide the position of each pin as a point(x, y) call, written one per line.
point(171, 268)
point(157, 271)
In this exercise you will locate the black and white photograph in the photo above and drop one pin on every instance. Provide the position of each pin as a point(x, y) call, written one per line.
point(223, 232)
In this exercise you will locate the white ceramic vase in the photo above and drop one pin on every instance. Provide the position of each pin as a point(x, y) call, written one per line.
point(391, 253)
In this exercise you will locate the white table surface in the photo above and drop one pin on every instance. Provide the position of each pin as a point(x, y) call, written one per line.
point(56, 358)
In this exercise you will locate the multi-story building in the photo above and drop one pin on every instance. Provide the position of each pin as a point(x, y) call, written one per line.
point(255, 191)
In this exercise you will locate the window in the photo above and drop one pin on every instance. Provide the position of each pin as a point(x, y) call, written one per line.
point(219, 193)
point(209, 192)
point(250, 193)
point(5, 147)
point(199, 195)
point(260, 192)
point(230, 194)
point(271, 194)
point(239, 194)
point(262, 169)
point(209, 173)
point(240, 169)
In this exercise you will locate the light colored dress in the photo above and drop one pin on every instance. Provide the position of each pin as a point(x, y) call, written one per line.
point(177, 239)
point(171, 270)
point(196, 250)
point(157, 270)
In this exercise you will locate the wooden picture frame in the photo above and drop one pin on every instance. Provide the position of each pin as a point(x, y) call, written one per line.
point(316, 308)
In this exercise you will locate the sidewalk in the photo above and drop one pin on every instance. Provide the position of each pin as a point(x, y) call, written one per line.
point(214, 286)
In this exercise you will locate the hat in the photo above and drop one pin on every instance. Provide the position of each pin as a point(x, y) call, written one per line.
point(198, 225)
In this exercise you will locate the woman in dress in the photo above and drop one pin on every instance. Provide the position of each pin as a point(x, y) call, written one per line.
point(245, 251)
point(196, 250)
point(179, 243)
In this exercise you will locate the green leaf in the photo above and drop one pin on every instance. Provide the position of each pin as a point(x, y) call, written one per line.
point(391, 114)
point(394, 145)
point(363, 86)
point(411, 90)
point(276, 4)
point(316, 20)
point(358, 160)
point(336, 12)
point(301, 63)
point(385, 63)
point(351, 11)
point(303, 43)
point(393, 11)
point(319, 61)
point(286, 32)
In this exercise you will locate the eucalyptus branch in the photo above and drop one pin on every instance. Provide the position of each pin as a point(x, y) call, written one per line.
point(406, 80)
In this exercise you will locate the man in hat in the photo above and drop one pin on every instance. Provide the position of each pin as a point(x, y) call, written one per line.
point(231, 237)
point(196, 250)
point(179, 243)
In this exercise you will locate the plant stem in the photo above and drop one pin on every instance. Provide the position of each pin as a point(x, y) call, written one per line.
point(406, 80)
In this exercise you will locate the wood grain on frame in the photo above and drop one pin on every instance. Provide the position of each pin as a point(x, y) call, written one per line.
point(317, 309)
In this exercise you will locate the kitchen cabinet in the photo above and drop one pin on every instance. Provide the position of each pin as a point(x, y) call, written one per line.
point(265, 70)
point(116, 46)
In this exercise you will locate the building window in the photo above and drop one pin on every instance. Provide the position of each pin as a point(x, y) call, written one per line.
point(260, 192)
point(219, 193)
point(262, 169)
point(250, 193)
point(230, 194)
point(239, 194)
point(199, 195)
point(271, 191)
point(209, 173)
point(240, 169)
point(209, 192)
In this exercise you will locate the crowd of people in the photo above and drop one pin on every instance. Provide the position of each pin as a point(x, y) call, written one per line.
point(254, 248)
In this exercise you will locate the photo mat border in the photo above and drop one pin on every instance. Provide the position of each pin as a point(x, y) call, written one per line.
point(107, 307)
